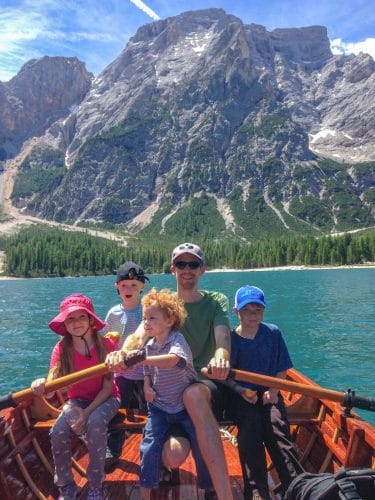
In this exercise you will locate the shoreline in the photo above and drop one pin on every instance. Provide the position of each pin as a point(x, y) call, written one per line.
point(293, 268)
point(369, 265)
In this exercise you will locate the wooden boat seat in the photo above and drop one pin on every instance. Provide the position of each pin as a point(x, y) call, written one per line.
point(125, 419)
point(301, 412)
point(44, 413)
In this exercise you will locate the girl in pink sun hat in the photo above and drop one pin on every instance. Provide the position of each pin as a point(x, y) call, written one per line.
point(97, 398)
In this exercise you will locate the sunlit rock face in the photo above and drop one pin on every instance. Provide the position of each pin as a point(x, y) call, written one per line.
point(200, 102)
point(43, 91)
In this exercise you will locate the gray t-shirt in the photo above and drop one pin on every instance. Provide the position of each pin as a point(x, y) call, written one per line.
point(125, 321)
point(170, 383)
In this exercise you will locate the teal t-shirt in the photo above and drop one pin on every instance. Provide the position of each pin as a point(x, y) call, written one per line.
point(199, 326)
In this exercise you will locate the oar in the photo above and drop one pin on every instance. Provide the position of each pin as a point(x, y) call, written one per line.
point(348, 399)
point(12, 399)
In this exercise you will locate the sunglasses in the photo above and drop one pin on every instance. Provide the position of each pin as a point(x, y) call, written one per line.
point(181, 264)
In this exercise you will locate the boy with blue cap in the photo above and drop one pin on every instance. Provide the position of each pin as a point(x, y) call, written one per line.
point(261, 419)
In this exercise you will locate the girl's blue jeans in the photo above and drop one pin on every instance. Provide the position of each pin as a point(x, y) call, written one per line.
point(158, 424)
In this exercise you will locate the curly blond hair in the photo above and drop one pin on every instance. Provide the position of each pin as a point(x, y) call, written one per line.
point(170, 303)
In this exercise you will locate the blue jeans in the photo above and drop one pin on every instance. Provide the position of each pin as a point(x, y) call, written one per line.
point(158, 424)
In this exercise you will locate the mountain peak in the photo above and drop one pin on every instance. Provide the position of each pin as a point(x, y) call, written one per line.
point(309, 45)
point(43, 91)
point(200, 114)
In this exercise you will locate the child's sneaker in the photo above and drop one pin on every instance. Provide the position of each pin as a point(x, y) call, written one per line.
point(68, 492)
point(95, 493)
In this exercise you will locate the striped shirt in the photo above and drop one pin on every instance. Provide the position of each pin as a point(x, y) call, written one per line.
point(170, 383)
point(125, 321)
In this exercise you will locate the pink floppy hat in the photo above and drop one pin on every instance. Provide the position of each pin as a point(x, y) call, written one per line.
point(72, 303)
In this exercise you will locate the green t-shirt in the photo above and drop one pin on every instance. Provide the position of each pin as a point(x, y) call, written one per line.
point(199, 325)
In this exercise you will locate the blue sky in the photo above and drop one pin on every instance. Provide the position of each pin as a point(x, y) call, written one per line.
point(96, 31)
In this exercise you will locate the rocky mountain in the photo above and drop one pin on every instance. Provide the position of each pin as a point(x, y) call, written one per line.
point(43, 91)
point(204, 124)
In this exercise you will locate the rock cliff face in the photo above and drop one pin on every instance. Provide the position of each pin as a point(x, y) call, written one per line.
point(43, 91)
point(201, 106)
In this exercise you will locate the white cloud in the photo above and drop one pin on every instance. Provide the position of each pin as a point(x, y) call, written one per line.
point(45, 27)
point(17, 30)
point(338, 46)
point(142, 6)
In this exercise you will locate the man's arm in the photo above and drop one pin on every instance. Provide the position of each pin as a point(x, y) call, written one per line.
point(218, 367)
point(222, 339)
point(220, 363)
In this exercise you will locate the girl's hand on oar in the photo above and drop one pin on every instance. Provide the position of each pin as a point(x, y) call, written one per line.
point(38, 386)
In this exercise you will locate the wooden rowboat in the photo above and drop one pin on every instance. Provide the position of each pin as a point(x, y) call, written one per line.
point(326, 437)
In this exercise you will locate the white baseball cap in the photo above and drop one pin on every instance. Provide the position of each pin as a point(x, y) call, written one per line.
point(188, 248)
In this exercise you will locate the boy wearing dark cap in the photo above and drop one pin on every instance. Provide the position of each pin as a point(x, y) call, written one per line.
point(261, 418)
point(125, 318)
point(206, 330)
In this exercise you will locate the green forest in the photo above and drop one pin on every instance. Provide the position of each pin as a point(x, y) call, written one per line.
point(43, 252)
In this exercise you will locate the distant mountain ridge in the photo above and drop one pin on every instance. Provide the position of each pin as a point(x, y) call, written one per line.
point(202, 125)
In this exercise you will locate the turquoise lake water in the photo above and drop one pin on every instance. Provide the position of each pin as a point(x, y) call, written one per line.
point(327, 318)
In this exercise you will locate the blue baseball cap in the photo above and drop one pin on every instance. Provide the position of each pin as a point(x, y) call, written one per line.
point(248, 294)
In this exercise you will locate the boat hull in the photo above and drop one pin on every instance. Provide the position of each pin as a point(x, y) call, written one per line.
point(325, 437)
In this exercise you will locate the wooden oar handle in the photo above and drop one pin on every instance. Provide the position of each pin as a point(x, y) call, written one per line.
point(73, 378)
point(348, 399)
point(53, 385)
point(266, 381)
point(14, 398)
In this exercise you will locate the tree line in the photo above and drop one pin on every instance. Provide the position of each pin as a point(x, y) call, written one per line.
point(41, 252)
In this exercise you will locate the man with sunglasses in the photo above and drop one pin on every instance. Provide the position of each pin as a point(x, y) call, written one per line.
point(207, 331)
